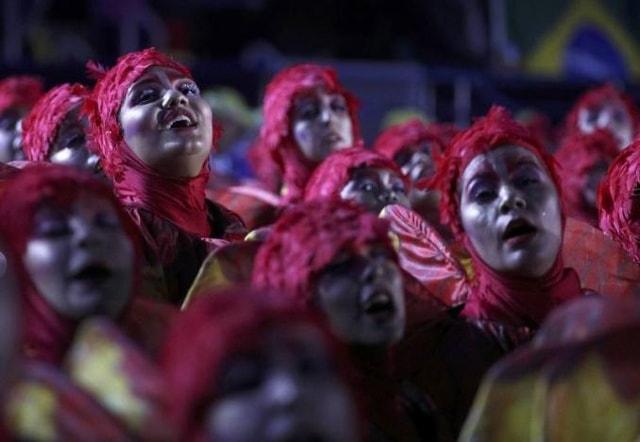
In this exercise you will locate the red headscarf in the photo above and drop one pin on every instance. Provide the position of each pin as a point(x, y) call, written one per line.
point(594, 97)
point(178, 200)
point(577, 154)
point(19, 91)
point(40, 126)
point(414, 132)
point(334, 172)
point(619, 200)
point(308, 237)
point(275, 143)
point(210, 331)
point(515, 301)
point(47, 334)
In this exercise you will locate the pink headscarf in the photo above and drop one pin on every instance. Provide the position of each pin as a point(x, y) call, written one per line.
point(179, 200)
point(19, 91)
point(47, 334)
point(308, 237)
point(330, 177)
point(512, 300)
point(40, 126)
point(619, 200)
point(275, 143)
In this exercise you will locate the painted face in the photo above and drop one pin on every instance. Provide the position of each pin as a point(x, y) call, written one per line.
point(70, 145)
point(510, 211)
point(321, 124)
point(10, 135)
point(610, 115)
point(362, 297)
point(166, 122)
point(417, 163)
point(288, 390)
point(375, 188)
point(81, 259)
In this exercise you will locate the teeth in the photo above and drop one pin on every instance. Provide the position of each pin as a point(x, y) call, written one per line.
point(378, 301)
point(180, 119)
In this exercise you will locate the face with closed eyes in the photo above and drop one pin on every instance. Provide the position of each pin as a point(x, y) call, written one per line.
point(510, 211)
point(375, 188)
point(611, 115)
point(70, 145)
point(10, 136)
point(81, 259)
point(166, 123)
point(361, 295)
point(321, 124)
point(288, 389)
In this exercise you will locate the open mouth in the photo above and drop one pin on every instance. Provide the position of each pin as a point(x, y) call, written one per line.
point(332, 138)
point(180, 120)
point(304, 438)
point(92, 272)
point(518, 229)
point(379, 304)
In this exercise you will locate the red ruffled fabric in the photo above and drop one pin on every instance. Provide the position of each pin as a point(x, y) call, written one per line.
point(593, 97)
point(40, 126)
point(275, 148)
point(20, 91)
point(412, 133)
point(519, 301)
point(578, 154)
point(308, 237)
point(330, 177)
point(619, 200)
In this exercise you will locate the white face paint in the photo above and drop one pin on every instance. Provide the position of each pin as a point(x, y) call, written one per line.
point(375, 188)
point(611, 115)
point(81, 259)
point(361, 295)
point(166, 122)
point(510, 210)
point(321, 124)
point(288, 389)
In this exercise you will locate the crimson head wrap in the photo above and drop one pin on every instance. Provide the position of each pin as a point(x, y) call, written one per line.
point(208, 333)
point(308, 237)
point(19, 91)
point(103, 105)
point(275, 142)
point(414, 132)
point(47, 333)
point(494, 130)
point(578, 154)
point(40, 126)
point(330, 177)
point(619, 200)
point(595, 97)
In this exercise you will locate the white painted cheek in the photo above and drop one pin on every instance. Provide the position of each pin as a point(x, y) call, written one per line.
point(235, 419)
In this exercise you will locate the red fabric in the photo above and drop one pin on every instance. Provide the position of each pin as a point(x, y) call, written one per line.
point(578, 154)
point(19, 91)
point(412, 133)
point(496, 129)
point(179, 200)
point(46, 333)
point(330, 177)
point(307, 238)
point(213, 328)
point(519, 301)
point(593, 97)
point(619, 200)
point(40, 126)
point(514, 301)
point(275, 143)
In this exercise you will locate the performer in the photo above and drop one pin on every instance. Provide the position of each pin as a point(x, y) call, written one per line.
point(153, 132)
